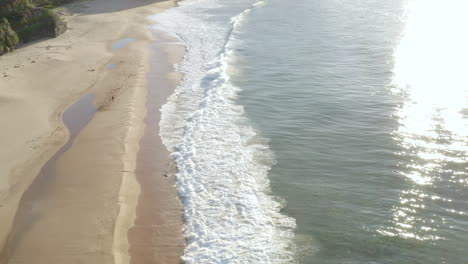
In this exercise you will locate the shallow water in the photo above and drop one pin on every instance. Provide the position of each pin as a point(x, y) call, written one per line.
point(358, 108)
point(122, 43)
point(75, 118)
point(111, 66)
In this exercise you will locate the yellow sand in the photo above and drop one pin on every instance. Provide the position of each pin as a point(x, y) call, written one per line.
point(91, 203)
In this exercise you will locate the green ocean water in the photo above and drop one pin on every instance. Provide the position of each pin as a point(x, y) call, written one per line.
point(373, 169)
point(321, 131)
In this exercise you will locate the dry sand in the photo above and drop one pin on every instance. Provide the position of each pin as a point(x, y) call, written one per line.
point(84, 202)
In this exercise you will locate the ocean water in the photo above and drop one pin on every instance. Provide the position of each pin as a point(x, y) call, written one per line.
point(321, 131)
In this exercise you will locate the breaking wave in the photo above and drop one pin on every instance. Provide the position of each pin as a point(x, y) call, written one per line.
point(222, 163)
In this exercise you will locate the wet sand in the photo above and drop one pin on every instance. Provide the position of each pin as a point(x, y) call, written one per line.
point(75, 202)
point(33, 201)
point(156, 236)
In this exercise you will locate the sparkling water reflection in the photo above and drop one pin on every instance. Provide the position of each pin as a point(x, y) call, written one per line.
point(433, 124)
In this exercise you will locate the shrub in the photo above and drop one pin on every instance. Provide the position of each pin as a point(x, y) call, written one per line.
point(8, 38)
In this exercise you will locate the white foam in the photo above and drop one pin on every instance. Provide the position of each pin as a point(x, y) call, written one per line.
point(222, 164)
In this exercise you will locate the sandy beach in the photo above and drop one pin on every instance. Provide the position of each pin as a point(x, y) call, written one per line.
point(98, 188)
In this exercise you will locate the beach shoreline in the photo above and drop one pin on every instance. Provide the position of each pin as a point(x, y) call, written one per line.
point(158, 210)
point(91, 201)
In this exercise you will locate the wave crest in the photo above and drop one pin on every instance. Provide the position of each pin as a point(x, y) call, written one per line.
point(222, 163)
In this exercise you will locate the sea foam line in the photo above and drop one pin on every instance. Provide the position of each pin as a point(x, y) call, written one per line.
point(222, 164)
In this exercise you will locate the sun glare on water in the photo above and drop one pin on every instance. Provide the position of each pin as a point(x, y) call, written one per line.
point(431, 74)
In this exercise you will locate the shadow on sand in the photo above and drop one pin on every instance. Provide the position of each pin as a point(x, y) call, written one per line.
point(82, 6)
